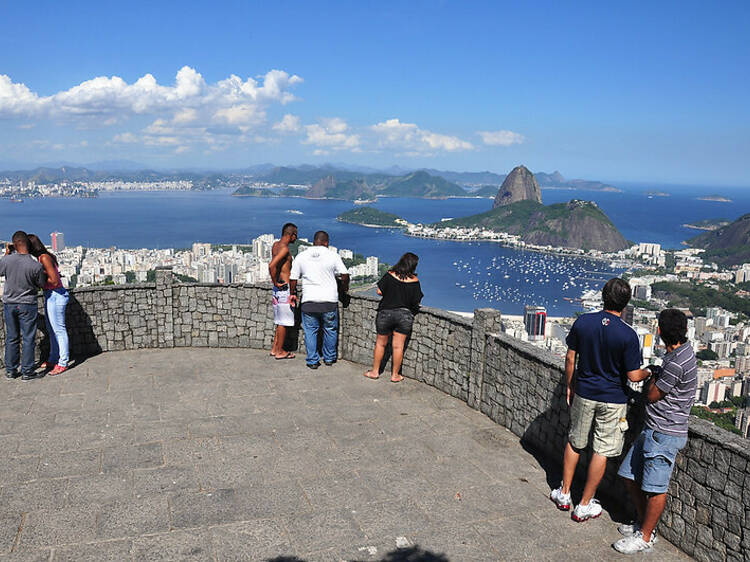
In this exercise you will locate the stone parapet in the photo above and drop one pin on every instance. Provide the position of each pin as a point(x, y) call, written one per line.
point(515, 384)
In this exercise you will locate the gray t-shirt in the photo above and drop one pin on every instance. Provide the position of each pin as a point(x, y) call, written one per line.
point(679, 379)
point(24, 276)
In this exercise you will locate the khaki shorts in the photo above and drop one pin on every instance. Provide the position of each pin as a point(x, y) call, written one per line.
point(609, 422)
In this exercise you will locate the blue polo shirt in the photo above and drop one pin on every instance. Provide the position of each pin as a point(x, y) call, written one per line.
point(607, 349)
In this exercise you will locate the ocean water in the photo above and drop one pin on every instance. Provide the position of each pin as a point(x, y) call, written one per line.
point(455, 275)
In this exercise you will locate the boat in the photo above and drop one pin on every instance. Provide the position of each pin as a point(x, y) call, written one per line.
point(364, 201)
point(294, 212)
point(16, 200)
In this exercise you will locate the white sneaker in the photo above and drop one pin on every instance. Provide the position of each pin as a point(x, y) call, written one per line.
point(630, 529)
point(562, 501)
point(634, 544)
point(584, 512)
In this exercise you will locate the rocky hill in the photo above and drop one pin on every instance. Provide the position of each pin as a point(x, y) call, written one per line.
point(422, 184)
point(331, 187)
point(520, 185)
point(370, 216)
point(576, 224)
point(728, 245)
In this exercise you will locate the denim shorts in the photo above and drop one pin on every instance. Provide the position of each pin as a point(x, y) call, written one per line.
point(650, 460)
point(394, 320)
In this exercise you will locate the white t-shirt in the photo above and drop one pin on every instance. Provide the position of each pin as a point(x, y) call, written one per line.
point(317, 267)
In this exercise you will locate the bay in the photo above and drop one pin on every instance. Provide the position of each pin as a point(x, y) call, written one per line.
point(455, 275)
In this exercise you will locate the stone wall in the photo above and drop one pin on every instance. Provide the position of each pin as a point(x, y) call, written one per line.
point(517, 385)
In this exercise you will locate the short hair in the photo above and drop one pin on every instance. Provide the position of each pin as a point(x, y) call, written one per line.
point(673, 326)
point(20, 237)
point(406, 265)
point(616, 294)
point(321, 236)
point(288, 228)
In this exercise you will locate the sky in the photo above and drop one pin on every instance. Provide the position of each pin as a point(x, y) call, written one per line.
point(631, 91)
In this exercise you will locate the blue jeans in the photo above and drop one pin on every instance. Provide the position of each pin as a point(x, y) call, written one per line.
point(20, 324)
point(650, 460)
point(55, 302)
point(311, 323)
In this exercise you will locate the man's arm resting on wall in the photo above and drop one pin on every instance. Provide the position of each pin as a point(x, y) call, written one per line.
point(570, 366)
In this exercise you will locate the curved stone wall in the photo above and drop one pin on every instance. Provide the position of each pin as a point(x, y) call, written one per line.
point(515, 384)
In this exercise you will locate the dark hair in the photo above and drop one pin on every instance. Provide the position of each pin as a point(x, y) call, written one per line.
point(36, 248)
point(288, 228)
point(20, 237)
point(673, 326)
point(616, 294)
point(321, 236)
point(406, 266)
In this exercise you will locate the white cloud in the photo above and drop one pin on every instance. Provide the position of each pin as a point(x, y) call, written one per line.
point(190, 99)
point(288, 124)
point(331, 134)
point(408, 137)
point(501, 138)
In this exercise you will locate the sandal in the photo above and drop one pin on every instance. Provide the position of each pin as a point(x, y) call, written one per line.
point(58, 370)
point(399, 379)
point(289, 355)
point(370, 376)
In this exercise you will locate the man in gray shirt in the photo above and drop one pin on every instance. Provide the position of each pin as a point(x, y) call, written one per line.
point(24, 276)
point(647, 467)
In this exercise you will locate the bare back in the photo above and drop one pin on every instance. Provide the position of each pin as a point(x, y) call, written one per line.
point(284, 265)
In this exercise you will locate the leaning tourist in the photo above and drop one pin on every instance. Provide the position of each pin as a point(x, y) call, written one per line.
point(281, 264)
point(608, 352)
point(648, 465)
point(24, 276)
point(401, 297)
point(55, 301)
point(318, 267)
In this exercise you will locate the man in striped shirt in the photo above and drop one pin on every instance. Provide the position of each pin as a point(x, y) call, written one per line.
point(647, 467)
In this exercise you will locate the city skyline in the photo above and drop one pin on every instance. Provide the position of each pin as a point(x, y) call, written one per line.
point(608, 93)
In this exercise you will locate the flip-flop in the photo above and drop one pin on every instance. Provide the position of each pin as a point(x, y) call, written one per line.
point(399, 380)
point(289, 355)
point(369, 377)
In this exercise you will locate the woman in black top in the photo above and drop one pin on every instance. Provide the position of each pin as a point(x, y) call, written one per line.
point(401, 296)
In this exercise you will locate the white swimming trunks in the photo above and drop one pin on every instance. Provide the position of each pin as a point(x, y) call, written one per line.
point(282, 310)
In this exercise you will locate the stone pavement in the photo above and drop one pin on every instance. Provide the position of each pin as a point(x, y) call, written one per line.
point(218, 454)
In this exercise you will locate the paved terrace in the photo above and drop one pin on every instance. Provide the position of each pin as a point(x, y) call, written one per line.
point(208, 454)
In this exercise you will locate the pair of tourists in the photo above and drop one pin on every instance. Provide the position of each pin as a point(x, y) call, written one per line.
point(318, 267)
point(24, 276)
point(603, 355)
point(324, 279)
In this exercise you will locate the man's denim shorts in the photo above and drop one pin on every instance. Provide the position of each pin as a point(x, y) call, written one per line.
point(650, 460)
point(391, 320)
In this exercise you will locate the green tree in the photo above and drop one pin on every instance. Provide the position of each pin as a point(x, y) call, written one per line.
point(706, 355)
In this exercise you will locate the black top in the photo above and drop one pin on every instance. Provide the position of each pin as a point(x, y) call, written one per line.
point(399, 294)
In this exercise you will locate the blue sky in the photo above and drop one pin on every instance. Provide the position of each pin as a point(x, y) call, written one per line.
point(652, 91)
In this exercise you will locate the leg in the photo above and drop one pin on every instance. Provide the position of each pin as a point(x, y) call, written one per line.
point(54, 349)
point(380, 343)
point(638, 498)
point(398, 356)
point(12, 338)
point(311, 326)
point(56, 305)
point(330, 335)
point(654, 508)
point(570, 461)
point(27, 316)
point(277, 350)
point(597, 466)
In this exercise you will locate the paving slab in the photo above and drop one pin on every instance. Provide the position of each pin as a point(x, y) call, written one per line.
point(226, 454)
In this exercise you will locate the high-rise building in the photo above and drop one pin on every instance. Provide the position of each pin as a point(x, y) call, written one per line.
point(201, 250)
point(372, 266)
point(535, 322)
point(262, 246)
point(627, 314)
point(57, 241)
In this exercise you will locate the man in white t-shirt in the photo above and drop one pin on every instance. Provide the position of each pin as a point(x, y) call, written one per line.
point(317, 267)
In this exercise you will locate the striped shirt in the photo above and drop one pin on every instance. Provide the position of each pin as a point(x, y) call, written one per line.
point(679, 380)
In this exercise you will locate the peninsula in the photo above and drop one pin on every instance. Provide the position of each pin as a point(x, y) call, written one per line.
point(372, 217)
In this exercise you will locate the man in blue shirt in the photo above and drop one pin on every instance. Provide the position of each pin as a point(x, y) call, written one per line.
point(607, 352)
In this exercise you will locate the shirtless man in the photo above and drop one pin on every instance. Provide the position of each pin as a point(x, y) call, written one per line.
point(281, 264)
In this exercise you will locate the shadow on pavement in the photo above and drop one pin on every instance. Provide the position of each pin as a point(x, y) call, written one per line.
point(410, 554)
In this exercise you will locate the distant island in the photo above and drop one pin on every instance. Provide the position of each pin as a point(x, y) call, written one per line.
point(372, 217)
point(708, 224)
point(718, 198)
